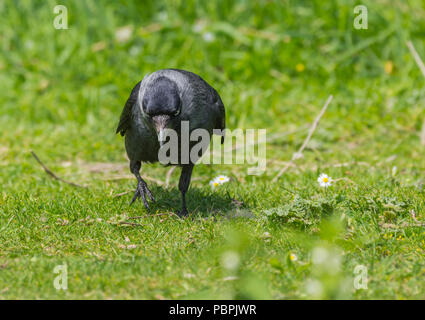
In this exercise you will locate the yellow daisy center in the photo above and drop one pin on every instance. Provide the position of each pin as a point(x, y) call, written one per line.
point(300, 67)
point(388, 67)
point(215, 184)
point(325, 179)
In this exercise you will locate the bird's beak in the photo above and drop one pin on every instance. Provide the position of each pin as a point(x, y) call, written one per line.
point(160, 122)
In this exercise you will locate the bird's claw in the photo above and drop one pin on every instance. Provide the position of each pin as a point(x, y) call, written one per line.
point(141, 191)
point(182, 213)
point(149, 193)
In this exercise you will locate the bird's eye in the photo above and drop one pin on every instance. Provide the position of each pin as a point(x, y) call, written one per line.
point(179, 108)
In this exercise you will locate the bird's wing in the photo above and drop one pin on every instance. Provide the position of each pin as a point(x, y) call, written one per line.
point(126, 114)
point(125, 118)
point(222, 120)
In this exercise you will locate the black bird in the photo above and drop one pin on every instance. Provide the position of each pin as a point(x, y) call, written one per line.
point(162, 100)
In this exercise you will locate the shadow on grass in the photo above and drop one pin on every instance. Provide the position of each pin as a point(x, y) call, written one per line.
point(199, 203)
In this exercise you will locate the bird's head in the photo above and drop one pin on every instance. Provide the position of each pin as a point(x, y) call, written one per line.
point(161, 104)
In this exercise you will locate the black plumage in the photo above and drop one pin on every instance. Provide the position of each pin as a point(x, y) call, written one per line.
point(162, 100)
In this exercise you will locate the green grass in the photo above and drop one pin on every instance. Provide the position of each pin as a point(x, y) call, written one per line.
point(61, 95)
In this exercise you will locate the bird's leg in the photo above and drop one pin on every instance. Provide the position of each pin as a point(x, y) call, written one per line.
point(184, 185)
point(142, 188)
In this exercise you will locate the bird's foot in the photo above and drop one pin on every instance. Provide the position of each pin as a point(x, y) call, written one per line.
point(149, 193)
point(141, 191)
point(182, 213)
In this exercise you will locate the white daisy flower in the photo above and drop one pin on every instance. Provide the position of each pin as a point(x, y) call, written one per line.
point(324, 180)
point(124, 34)
point(222, 179)
point(219, 180)
point(208, 36)
point(293, 257)
point(394, 171)
point(214, 183)
point(199, 26)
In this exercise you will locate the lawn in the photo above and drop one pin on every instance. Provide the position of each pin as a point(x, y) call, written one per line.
point(274, 64)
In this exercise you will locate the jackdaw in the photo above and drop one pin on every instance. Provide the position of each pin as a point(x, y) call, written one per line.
point(161, 101)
